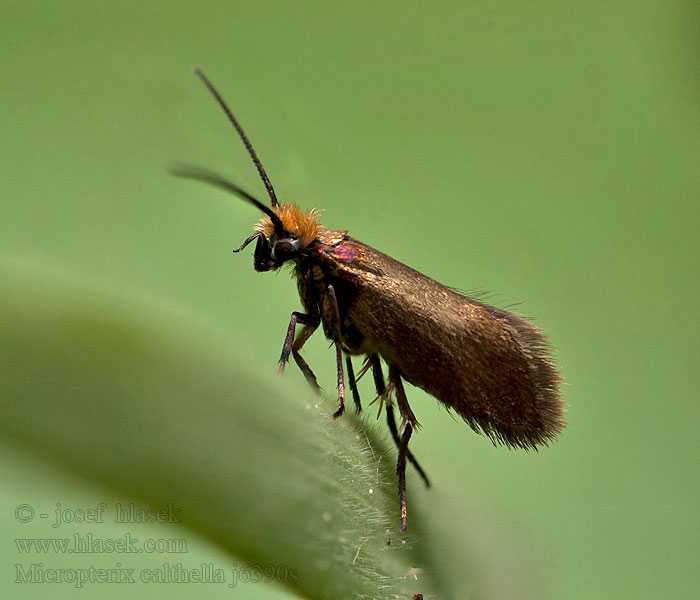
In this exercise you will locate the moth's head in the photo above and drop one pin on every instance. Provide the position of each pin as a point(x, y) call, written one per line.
point(286, 231)
point(273, 253)
point(284, 238)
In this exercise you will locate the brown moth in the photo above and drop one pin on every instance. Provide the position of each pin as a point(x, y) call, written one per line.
point(491, 367)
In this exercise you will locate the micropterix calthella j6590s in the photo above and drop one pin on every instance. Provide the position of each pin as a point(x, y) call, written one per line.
point(491, 367)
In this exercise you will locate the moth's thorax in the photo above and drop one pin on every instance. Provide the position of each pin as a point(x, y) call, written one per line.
point(331, 237)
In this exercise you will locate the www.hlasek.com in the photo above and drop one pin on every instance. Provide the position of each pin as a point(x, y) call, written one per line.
point(87, 543)
point(166, 573)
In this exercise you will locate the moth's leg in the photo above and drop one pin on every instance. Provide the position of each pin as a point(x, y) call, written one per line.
point(405, 410)
point(409, 455)
point(293, 346)
point(311, 322)
point(390, 420)
point(299, 359)
point(377, 374)
point(409, 424)
point(401, 471)
point(353, 383)
point(337, 340)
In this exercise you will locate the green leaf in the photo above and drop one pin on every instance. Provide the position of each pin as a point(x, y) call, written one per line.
point(153, 402)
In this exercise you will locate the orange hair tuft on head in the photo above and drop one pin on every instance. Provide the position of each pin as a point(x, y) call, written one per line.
point(300, 223)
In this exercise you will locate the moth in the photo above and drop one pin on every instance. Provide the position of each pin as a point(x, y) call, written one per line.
point(492, 367)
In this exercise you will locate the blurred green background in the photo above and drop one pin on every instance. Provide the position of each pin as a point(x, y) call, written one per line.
point(546, 151)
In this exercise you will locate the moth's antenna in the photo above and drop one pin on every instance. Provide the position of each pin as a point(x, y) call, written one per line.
point(223, 183)
point(241, 133)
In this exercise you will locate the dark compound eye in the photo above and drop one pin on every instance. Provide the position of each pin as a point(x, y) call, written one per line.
point(286, 249)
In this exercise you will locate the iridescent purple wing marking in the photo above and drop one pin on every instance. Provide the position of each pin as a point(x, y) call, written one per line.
point(346, 253)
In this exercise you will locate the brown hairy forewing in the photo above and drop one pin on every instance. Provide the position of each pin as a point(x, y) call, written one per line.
point(490, 366)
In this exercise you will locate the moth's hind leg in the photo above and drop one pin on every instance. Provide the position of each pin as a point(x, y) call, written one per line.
point(404, 409)
point(401, 470)
point(409, 455)
point(409, 424)
point(352, 381)
point(294, 346)
point(391, 421)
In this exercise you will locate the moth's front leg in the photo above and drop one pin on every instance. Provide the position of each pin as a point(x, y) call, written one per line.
point(293, 346)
